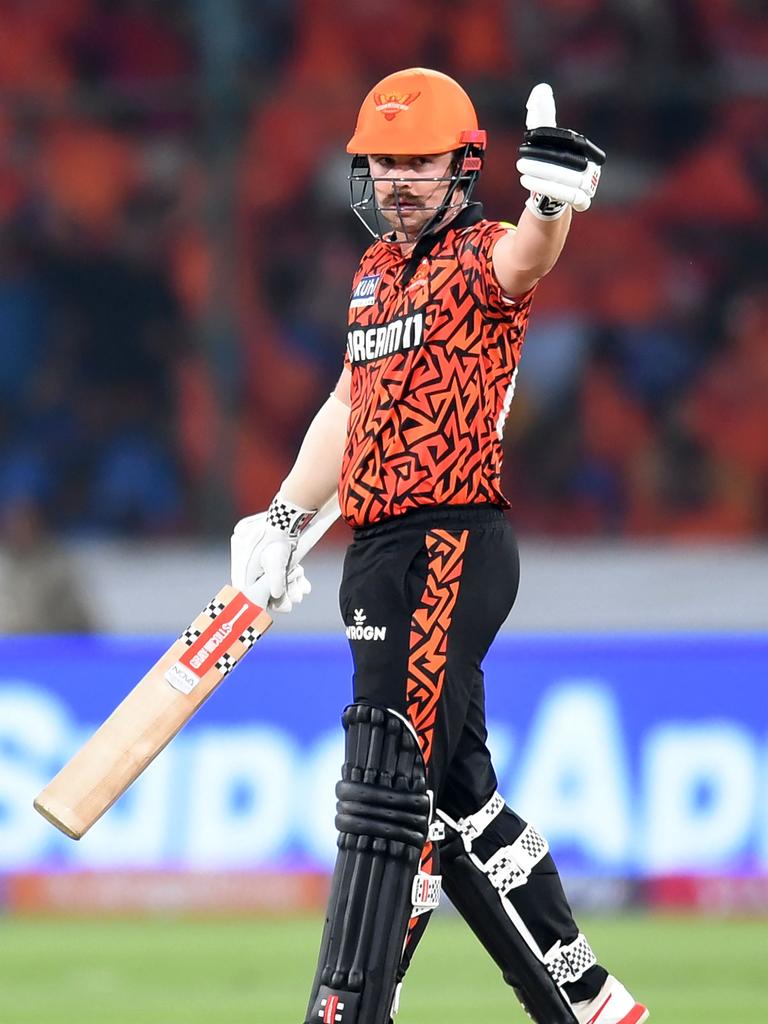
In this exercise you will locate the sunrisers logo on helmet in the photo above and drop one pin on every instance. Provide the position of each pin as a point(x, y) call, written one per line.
point(415, 112)
point(391, 104)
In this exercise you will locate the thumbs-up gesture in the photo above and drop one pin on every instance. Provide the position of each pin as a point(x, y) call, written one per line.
point(559, 167)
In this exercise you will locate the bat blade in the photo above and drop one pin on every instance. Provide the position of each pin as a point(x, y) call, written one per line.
point(153, 712)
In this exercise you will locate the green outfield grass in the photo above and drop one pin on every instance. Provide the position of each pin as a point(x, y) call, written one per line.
point(689, 971)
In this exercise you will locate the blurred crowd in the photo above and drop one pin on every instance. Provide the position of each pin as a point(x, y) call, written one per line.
point(176, 251)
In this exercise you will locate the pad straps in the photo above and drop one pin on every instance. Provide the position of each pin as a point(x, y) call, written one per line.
point(568, 963)
point(512, 865)
point(480, 889)
point(472, 826)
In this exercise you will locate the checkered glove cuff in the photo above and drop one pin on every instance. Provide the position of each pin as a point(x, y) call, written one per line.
point(290, 519)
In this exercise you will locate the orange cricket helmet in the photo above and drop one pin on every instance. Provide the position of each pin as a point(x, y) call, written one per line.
point(416, 111)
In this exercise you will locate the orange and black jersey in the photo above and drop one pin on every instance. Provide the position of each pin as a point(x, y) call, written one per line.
point(433, 347)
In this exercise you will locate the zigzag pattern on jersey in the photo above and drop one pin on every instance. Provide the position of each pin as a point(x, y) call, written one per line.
point(429, 633)
point(423, 427)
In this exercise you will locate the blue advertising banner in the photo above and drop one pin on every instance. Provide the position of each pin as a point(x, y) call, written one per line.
point(635, 755)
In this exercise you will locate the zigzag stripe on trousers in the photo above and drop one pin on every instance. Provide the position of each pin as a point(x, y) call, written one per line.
point(429, 632)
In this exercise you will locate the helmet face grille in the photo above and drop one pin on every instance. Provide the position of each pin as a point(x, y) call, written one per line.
point(465, 170)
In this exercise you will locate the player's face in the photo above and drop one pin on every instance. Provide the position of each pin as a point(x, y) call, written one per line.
point(406, 190)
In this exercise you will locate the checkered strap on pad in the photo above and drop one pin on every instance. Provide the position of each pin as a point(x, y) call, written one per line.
point(511, 866)
point(475, 824)
point(568, 963)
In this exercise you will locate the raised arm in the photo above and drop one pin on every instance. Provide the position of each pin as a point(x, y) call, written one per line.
point(561, 169)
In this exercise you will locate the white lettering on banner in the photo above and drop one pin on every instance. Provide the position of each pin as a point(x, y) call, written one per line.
point(701, 791)
point(317, 783)
point(573, 780)
point(35, 739)
point(363, 346)
point(242, 796)
point(502, 744)
point(253, 794)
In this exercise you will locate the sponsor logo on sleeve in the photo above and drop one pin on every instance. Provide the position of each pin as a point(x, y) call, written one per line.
point(365, 291)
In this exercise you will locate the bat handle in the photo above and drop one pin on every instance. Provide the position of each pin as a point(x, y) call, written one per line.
point(326, 516)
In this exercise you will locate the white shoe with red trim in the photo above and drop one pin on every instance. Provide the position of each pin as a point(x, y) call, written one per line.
point(612, 1005)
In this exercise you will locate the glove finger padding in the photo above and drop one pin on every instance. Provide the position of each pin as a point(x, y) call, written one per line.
point(554, 173)
point(559, 183)
point(562, 195)
point(558, 195)
point(559, 167)
point(561, 146)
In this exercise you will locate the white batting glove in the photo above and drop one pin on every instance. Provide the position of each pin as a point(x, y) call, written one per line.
point(296, 589)
point(559, 167)
point(263, 546)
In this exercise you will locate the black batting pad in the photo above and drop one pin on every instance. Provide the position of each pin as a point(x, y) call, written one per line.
point(382, 818)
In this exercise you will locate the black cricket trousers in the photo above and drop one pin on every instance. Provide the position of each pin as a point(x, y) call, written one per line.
point(422, 597)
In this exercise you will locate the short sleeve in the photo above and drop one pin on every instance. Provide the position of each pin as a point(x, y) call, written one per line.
point(475, 253)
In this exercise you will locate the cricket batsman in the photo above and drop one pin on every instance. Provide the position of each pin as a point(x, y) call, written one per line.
point(412, 439)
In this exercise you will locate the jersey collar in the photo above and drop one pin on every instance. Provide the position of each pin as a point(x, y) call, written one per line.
point(471, 214)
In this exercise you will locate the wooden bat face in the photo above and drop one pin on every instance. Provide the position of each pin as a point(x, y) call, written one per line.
point(163, 701)
point(153, 712)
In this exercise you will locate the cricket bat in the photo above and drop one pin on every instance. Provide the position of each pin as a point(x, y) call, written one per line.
point(162, 702)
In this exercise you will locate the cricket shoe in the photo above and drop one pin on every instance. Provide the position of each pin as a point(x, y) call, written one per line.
point(612, 1005)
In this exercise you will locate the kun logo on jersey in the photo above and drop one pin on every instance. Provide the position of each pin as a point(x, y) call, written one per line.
point(364, 345)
